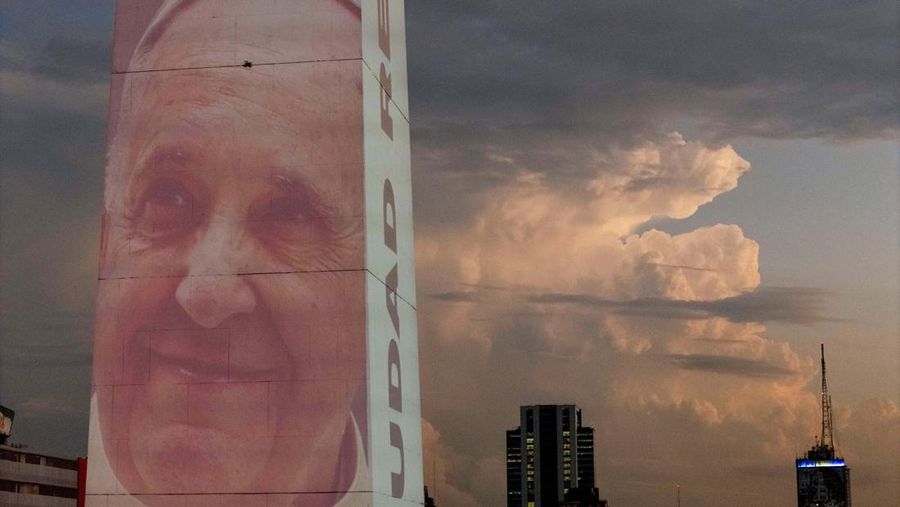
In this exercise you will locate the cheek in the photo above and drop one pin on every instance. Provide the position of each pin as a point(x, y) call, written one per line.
point(125, 308)
point(115, 247)
point(294, 302)
point(127, 255)
point(320, 319)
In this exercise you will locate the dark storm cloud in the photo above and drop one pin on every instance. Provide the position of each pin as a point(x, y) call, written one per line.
point(547, 84)
point(456, 296)
point(678, 266)
point(53, 75)
point(73, 61)
point(729, 365)
point(479, 291)
point(796, 305)
point(496, 86)
point(578, 60)
point(46, 373)
point(55, 357)
point(64, 137)
point(55, 320)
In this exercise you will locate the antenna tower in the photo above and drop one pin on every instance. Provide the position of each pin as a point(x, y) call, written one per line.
point(827, 427)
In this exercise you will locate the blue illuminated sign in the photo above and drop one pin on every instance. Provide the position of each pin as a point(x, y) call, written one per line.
point(808, 463)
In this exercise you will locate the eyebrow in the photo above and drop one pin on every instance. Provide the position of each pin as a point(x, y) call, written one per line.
point(179, 155)
point(162, 159)
point(292, 183)
point(164, 20)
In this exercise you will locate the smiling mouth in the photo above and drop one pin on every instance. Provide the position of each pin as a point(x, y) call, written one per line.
point(190, 369)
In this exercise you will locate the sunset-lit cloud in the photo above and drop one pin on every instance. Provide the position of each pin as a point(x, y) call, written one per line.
point(554, 296)
point(554, 145)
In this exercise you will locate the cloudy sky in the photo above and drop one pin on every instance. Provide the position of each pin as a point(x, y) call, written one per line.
point(653, 210)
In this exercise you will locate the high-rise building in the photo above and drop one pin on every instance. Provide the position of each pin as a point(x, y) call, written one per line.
point(514, 467)
point(274, 357)
point(547, 456)
point(585, 455)
point(823, 478)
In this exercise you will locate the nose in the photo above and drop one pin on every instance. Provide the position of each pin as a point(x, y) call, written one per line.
point(213, 288)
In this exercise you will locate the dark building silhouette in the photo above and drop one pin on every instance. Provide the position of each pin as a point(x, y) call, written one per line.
point(6, 419)
point(429, 502)
point(514, 467)
point(582, 497)
point(585, 455)
point(823, 478)
point(550, 458)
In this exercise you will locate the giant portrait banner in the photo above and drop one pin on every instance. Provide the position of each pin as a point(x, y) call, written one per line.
point(255, 336)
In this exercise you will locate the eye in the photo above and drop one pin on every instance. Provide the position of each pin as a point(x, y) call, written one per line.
point(166, 206)
point(289, 220)
point(291, 207)
point(283, 209)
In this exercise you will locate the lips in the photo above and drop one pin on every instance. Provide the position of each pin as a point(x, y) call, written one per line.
point(187, 370)
point(201, 356)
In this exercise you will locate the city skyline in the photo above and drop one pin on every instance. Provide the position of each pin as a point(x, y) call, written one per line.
point(683, 200)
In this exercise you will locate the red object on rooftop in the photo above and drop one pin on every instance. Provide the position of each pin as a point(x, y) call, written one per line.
point(82, 480)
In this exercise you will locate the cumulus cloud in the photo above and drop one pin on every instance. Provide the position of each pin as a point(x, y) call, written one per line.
point(440, 462)
point(868, 435)
point(724, 264)
point(669, 177)
point(532, 232)
point(549, 295)
point(538, 158)
point(554, 88)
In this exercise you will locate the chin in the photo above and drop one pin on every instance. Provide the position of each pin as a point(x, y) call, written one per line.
point(205, 437)
point(186, 459)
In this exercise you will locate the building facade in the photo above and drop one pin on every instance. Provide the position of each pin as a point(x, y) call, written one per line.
point(585, 455)
point(39, 480)
point(257, 233)
point(548, 456)
point(514, 467)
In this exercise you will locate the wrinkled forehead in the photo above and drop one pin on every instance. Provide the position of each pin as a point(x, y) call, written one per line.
point(208, 33)
point(196, 44)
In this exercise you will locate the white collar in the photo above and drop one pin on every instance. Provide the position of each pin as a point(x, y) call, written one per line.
point(362, 481)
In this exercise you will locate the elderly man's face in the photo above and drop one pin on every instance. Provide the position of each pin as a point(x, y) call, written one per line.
point(230, 335)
